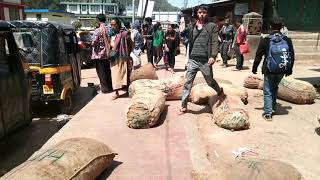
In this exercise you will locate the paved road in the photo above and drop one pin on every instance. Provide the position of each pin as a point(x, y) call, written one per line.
point(19, 146)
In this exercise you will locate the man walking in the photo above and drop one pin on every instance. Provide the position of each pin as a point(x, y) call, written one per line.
point(227, 33)
point(99, 49)
point(279, 58)
point(149, 39)
point(203, 51)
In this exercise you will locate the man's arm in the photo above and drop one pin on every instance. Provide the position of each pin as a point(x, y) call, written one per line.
point(291, 50)
point(214, 42)
point(260, 52)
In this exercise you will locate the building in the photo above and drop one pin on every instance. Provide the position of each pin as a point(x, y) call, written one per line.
point(11, 10)
point(50, 15)
point(86, 10)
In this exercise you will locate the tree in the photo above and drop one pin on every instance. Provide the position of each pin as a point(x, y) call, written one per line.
point(77, 25)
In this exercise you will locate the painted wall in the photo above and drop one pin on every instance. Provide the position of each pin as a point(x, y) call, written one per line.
point(13, 1)
point(300, 14)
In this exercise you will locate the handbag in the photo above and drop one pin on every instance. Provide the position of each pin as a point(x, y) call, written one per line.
point(231, 52)
point(244, 47)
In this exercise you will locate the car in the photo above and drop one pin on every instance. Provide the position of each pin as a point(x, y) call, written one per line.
point(15, 84)
point(85, 47)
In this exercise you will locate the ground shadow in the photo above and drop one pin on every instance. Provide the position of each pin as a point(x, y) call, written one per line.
point(280, 110)
point(318, 70)
point(312, 80)
point(162, 117)
point(107, 172)
point(205, 109)
point(317, 130)
point(18, 146)
point(179, 70)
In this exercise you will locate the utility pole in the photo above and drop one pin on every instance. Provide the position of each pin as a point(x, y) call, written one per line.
point(145, 9)
point(133, 11)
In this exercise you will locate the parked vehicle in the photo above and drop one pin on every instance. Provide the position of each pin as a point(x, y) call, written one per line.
point(85, 39)
point(15, 84)
point(52, 52)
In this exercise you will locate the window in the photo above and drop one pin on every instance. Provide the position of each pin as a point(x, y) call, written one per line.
point(84, 8)
point(14, 14)
point(73, 8)
point(109, 9)
point(95, 8)
point(38, 17)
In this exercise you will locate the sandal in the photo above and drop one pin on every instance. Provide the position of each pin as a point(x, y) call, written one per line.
point(116, 96)
point(182, 111)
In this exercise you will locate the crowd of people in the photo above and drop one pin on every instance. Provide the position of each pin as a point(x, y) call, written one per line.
point(117, 52)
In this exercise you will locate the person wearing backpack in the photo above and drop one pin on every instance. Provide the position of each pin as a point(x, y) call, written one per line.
point(278, 62)
point(203, 51)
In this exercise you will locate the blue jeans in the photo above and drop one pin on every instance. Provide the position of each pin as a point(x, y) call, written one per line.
point(270, 91)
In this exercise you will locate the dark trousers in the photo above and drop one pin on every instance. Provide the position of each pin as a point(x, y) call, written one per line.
point(239, 57)
point(104, 74)
point(171, 58)
point(224, 52)
point(206, 70)
point(150, 52)
point(270, 91)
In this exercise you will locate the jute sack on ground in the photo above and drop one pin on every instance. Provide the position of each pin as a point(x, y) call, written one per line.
point(175, 87)
point(201, 93)
point(145, 109)
point(146, 84)
point(296, 91)
point(76, 158)
point(145, 72)
point(253, 82)
point(259, 169)
point(228, 113)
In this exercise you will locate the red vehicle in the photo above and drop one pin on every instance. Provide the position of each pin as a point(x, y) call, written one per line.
point(85, 38)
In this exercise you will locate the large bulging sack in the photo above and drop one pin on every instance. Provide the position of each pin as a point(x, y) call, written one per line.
point(201, 93)
point(76, 158)
point(175, 87)
point(228, 113)
point(260, 169)
point(145, 109)
point(253, 82)
point(146, 84)
point(296, 91)
point(145, 72)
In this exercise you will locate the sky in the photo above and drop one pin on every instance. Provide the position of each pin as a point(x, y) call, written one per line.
point(179, 3)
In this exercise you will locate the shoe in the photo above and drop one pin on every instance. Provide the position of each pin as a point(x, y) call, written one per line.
point(267, 117)
point(221, 93)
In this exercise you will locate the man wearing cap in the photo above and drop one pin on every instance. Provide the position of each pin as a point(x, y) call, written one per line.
point(203, 50)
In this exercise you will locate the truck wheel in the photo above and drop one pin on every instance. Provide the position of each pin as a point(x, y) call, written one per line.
point(66, 104)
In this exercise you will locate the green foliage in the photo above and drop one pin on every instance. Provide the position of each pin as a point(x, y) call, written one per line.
point(77, 25)
point(45, 4)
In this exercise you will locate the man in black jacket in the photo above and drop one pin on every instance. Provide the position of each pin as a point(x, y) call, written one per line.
point(149, 39)
point(272, 79)
point(203, 51)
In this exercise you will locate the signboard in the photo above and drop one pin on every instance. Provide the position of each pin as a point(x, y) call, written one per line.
point(241, 9)
point(142, 6)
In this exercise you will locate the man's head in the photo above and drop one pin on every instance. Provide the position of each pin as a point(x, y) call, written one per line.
point(276, 24)
point(115, 24)
point(227, 21)
point(170, 28)
point(202, 13)
point(101, 18)
point(238, 21)
point(127, 25)
point(148, 20)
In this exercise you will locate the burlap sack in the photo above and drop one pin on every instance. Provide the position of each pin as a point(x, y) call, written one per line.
point(259, 169)
point(252, 82)
point(201, 93)
point(175, 87)
point(228, 113)
point(296, 91)
point(146, 84)
point(145, 72)
point(76, 158)
point(145, 109)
